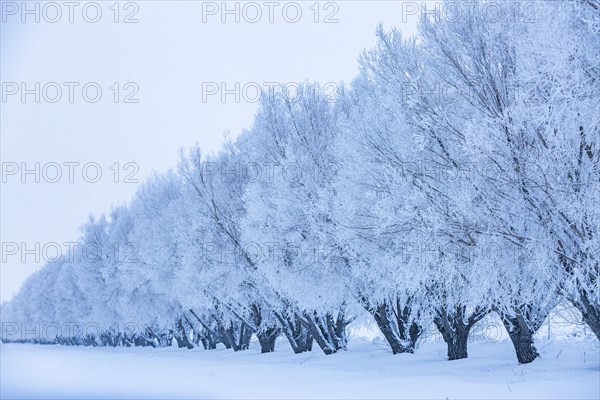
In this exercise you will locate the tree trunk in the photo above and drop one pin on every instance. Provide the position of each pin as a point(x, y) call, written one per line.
point(457, 345)
point(309, 342)
point(401, 336)
point(329, 334)
point(521, 323)
point(237, 336)
point(211, 343)
point(267, 335)
point(211, 337)
point(296, 333)
point(454, 330)
point(245, 335)
point(229, 338)
point(590, 312)
point(523, 343)
point(267, 338)
point(183, 340)
point(589, 309)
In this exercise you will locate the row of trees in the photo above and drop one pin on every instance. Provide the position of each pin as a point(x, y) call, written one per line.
point(456, 176)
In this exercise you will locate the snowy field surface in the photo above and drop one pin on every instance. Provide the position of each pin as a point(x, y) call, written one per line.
point(566, 369)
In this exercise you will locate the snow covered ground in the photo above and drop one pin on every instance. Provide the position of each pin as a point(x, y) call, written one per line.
point(568, 369)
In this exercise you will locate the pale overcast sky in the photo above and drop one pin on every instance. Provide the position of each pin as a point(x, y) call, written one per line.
point(173, 56)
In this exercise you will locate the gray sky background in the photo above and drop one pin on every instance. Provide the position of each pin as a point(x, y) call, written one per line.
point(170, 54)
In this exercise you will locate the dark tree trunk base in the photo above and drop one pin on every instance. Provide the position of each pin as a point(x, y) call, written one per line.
point(590, 312)
point(329, 333)
point(296, 333)
point(457, 348)
point(522, 338)
point(454, 325)
point(267, 339)
point(396, 326)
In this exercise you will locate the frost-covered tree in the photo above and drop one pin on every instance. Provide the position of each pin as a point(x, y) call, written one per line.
point(529, 122)
point(288, 217)
point(214, 187)
point(415, 214)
